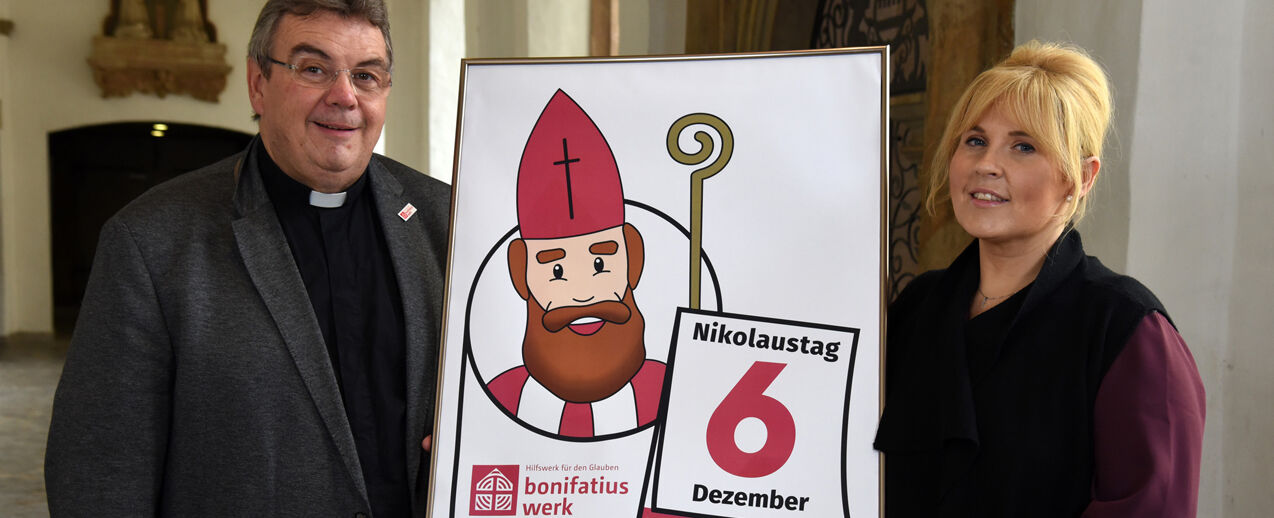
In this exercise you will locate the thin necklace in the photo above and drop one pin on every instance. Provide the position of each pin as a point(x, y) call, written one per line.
point(986, 299)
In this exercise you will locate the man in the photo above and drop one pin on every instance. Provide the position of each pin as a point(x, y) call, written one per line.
point(258, 337)
point(576, 264)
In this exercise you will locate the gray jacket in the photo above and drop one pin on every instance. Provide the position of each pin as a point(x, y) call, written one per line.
point(197, 381)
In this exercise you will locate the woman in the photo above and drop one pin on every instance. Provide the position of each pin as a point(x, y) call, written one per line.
point(1027, 379)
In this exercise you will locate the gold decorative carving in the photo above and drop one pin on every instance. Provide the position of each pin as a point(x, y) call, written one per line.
point(122, 66)
point(189, 24)
point(159, 47)
point(134, 20)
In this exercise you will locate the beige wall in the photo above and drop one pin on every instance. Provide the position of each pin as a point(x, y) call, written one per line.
point(55, 91)
point(1247, 369)
point(446, 48)
point(431, 37)
point(1114, 44)
point(1186, 209)
point(1182, 167)
point(652, 27)
point(5, 102)
point(429, 41)
point(497, 29)
point(406, 128)
point(557, 28)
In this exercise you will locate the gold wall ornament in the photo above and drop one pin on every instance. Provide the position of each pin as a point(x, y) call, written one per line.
point(134, 20)
point(122, 66)
point(189, 24)
point(159, 47)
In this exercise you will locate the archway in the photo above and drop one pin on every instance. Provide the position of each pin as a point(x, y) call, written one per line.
point(96, 170)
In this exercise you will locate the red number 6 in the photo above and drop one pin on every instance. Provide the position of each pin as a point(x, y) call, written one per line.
point(746, 400)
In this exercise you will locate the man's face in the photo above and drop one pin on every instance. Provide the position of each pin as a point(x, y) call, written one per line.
point(321, 137)
point(584, 332)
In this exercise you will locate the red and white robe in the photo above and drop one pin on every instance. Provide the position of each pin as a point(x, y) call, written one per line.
point(634, 405)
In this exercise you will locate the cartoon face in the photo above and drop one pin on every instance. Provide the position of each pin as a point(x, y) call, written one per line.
point(578, 271)
point(584, 332)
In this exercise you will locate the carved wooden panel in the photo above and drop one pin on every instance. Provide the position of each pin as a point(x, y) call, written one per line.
point(159, 47)
point(122, 66)
point(906, 194)
point(901, 24)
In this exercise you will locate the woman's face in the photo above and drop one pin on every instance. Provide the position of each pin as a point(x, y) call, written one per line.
point(1003, 188)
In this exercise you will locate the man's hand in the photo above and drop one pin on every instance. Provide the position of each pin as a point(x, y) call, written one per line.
point(427, 443)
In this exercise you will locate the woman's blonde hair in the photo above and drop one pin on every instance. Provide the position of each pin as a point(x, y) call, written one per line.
point(1058, 94)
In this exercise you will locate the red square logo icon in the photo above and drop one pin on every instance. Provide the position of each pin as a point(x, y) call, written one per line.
point(494, 491)
point(407, 211)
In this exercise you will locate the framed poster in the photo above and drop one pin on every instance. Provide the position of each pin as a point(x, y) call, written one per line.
point(665, 287)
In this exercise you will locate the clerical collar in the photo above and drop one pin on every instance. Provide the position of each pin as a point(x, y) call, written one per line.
point(286, 191)
point(325, 200)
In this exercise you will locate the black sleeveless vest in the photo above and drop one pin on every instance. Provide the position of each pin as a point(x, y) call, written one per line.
point(1018, 440)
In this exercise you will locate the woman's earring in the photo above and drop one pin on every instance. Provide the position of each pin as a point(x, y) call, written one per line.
point(1070, 197)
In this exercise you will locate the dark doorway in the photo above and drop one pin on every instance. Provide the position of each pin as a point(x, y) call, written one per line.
point(96, 170)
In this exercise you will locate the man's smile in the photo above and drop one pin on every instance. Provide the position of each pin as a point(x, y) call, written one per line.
point(335, 126)
point(586, 325)
point(586, 320)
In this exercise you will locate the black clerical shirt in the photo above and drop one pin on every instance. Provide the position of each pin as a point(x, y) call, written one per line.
point(345, 264)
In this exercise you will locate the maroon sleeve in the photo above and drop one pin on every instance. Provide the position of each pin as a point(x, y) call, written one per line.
point(1148, 428)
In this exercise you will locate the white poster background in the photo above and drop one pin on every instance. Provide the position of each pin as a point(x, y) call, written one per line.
point(792, 226)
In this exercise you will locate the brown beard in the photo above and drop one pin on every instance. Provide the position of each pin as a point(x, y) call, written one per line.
point(579, 368)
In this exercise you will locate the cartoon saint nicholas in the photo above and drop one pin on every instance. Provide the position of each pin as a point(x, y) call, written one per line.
point(576, 264)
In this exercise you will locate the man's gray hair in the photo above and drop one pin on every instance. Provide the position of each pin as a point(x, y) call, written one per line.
point(268, 22)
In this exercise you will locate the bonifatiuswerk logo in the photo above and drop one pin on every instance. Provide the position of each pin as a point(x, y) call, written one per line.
point(494, 491)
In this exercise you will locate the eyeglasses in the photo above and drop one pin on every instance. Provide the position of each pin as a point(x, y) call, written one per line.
point(316, 73)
